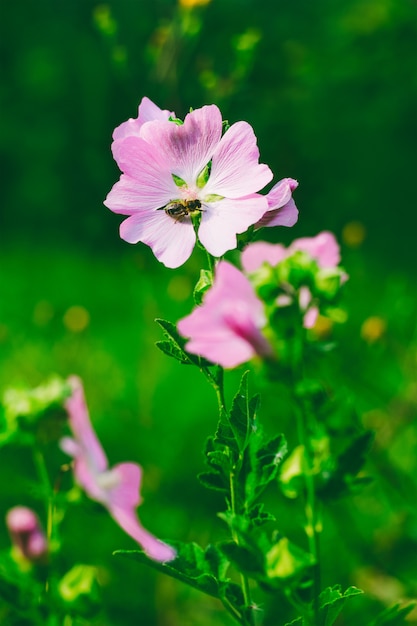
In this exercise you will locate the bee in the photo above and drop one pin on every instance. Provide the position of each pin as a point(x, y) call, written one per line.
point(179, 209)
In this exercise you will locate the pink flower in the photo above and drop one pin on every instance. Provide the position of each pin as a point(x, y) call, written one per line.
point(281, 207)
point(172, 172)
point(226, 328)
point(323, 248)
point(116, 488)
point(147, 112)
point(26, 533)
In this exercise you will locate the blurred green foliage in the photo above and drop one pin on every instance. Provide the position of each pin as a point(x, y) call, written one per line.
point(329, 88)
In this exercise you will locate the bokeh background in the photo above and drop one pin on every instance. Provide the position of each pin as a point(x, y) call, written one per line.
point(329, 88)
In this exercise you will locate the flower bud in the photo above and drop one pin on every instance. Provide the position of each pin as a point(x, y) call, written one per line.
point(26, 533)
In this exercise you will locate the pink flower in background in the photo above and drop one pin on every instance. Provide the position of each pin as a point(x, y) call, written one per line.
point(116, 488)
point(226, 328)
point(323, 248)
point(172, 172)
point(26, 533)
point(281, 206)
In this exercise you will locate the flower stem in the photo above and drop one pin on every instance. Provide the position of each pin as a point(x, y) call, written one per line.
point(310, 510)
point(216, 381)
point(40, 464)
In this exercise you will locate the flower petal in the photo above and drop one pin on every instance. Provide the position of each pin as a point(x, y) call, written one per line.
point(147, 112)
point(225, 329)
point(260, 252)
point(80, 425)
point(282, 210)
point(126, 493)
point(235, 170)
point(187, 147)
point(222, 220)
point(285, 216)
point(129, 195)
point(152, 546)
point(172, 241)
point(280, 193)
point(324, 248)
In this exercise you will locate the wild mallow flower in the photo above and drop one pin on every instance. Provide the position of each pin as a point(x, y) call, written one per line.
point(281, 206)
point(175, 174)
point(116, 488)
point(227, 327)
point(323, 249)
point(26, 533)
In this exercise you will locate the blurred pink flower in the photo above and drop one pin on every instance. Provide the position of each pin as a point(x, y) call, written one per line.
point(26, 533)
point(174, 171)
point(323, 248)
point(226, 328)
point(116, 488)
point(281, 206)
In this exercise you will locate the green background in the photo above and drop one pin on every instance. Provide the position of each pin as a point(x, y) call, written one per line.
point(329, 88)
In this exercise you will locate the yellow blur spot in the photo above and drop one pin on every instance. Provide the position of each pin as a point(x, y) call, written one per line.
point(373, 328)
point(76, 319)
point(190, 4)
point(323, 327)
point(353, 234)
point(43, 313)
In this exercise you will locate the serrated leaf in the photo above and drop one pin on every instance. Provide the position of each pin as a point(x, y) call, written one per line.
point(213, 480)
point(393, 616)
point(265, 465)
point(198, 568)
point(331, 602)
point(246, 559)
point(258, 516)
point(243, 414)
point(170, 349)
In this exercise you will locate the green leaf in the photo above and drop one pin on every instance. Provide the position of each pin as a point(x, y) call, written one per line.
point(204, 570)
point(266, 462)
point(343, 478)
point(246, 559)
point(393, 616)
point(204, 283)
point(258, 516)
point(242, 416)
point(213, 480)
point(285, 561)
point(331, 602)
point(177, 343)
point(171, 349)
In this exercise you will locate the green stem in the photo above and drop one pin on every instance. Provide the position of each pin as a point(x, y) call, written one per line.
point(311, 510)
point(216, 381)
point(40, 464)
point(211, 262)
point(247, 619)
